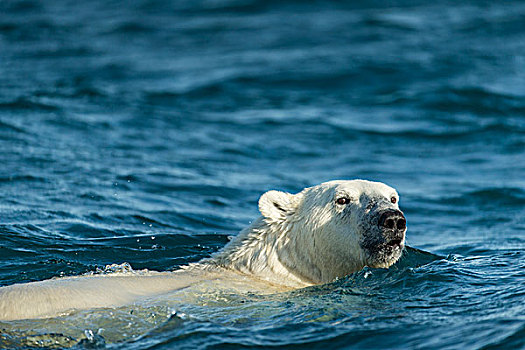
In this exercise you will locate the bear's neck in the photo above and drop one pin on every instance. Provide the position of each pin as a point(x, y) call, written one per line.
point(270, 253)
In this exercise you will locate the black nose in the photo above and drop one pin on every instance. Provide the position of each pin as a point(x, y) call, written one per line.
point(393, 219)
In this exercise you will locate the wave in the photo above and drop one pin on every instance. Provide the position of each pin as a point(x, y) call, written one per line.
point(29, 105)
point(22, 178)
point(489, 197)
point(10, 127)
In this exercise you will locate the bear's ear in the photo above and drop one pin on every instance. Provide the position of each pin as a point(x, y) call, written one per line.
point(277, 205)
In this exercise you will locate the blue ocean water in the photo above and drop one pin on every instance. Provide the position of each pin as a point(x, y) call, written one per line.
point(144, 132)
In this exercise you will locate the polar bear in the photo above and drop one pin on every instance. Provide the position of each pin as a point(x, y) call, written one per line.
point(315, 236)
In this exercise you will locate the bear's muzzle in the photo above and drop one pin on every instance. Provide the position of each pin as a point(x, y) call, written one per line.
point(393, 225)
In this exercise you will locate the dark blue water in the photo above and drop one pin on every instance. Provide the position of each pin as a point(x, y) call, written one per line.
point(144, 132)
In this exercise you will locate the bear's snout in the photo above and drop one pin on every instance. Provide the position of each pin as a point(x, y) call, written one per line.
point(393, 219)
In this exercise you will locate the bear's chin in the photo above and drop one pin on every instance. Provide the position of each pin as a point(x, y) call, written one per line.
point(384, 256)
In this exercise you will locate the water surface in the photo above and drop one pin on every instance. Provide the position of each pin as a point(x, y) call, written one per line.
point(145, 132)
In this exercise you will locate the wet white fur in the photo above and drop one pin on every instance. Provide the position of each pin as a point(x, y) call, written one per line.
point(299, 240)
point(307, 238)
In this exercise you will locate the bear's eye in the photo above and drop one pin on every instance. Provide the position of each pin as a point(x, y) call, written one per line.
point(393, 200)
point(343, 200)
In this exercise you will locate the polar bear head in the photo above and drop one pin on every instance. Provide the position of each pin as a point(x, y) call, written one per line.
point(333, 229)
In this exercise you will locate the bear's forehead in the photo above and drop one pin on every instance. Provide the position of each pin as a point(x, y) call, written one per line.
point(356, 188)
